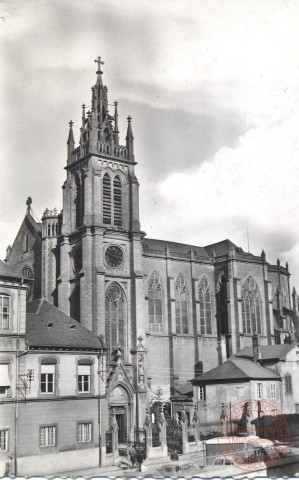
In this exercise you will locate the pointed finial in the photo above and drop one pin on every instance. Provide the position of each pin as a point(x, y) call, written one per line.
point(83, 111)
point(28, 203)
point(278, 262)
point(99, 62)
point(70, 140)
point(287, 266)
point(263, 255)
point(130, 140)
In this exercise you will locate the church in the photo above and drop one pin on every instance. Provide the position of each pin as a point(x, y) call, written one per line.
point(165, 311)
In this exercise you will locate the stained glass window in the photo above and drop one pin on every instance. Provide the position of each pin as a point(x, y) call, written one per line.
point(205, 307)
point(155, 303)
point(251, 307)
point(115, 318)
point(181, 305)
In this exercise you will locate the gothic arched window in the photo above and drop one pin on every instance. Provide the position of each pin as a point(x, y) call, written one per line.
point(251, 307)
point(26, 242)
point(205, 306)
point(221, 296)
point(117, 203)
point(115, 306)
point(28, 274)
point(155, 303)
point(181, 305)
point(284, 296)
point(79, 203)
point(107, 199)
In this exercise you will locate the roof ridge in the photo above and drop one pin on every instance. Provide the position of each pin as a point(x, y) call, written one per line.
point(238, 367)
point(41, 302)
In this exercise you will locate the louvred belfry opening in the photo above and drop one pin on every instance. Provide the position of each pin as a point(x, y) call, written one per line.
point(107, 199)
point(117, 201)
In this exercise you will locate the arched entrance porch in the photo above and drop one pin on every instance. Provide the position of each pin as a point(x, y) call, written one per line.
point(120, 403)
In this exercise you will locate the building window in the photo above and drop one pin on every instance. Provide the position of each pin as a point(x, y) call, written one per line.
point(107, 199)
point(288, 384)
point(181, 306)
point(4, 380)
point(202, 392)
point(155, 303)
point(273, 390)
point(47, 436)
point(3, 440)
point(117, 201)
point(84, 432)
point(251, 307)
point(26, 242)
point(83, 378)
point(205, 307)
point(259, 390)
point(4, 312)
point(116, 314)
point(47, 378)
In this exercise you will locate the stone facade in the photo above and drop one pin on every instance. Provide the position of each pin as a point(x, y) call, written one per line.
point(39, 424)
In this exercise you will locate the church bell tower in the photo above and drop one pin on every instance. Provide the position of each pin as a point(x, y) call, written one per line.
point(100, 243)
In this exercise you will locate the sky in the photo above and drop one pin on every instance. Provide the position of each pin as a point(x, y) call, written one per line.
point(213, 90)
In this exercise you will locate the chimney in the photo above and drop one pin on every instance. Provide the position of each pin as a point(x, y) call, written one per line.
point(256, 348)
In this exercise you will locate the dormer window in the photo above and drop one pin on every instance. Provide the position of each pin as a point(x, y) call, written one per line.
point(4, 312)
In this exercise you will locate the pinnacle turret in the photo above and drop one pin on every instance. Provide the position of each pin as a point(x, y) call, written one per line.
point(130, 140)
point(70, 142)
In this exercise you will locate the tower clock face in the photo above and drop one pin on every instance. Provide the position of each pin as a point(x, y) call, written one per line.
point(114, 256)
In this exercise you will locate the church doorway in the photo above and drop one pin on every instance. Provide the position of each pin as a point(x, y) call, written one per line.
point(120, 405)
point(121, 418)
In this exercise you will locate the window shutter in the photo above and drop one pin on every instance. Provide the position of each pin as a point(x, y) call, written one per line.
point(83, 369)
point(47, 368)
point(4, 378)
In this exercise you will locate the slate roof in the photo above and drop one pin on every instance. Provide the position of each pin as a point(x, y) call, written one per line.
point(6, 271)
point(236, 369)
point(174, 247)
point(47, 326)
point(268, 352)
point(218, 249)
point(183, 393)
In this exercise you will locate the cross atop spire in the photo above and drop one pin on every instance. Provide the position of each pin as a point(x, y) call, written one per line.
point(99, 62)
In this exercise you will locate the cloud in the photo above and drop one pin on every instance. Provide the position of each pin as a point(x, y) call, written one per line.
point(255, 182)
point(212, 88)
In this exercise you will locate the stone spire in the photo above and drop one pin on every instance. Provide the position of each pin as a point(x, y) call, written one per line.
point(130, 140)
point(99, 132)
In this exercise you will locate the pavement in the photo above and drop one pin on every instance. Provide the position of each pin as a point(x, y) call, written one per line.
point(109, 471)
